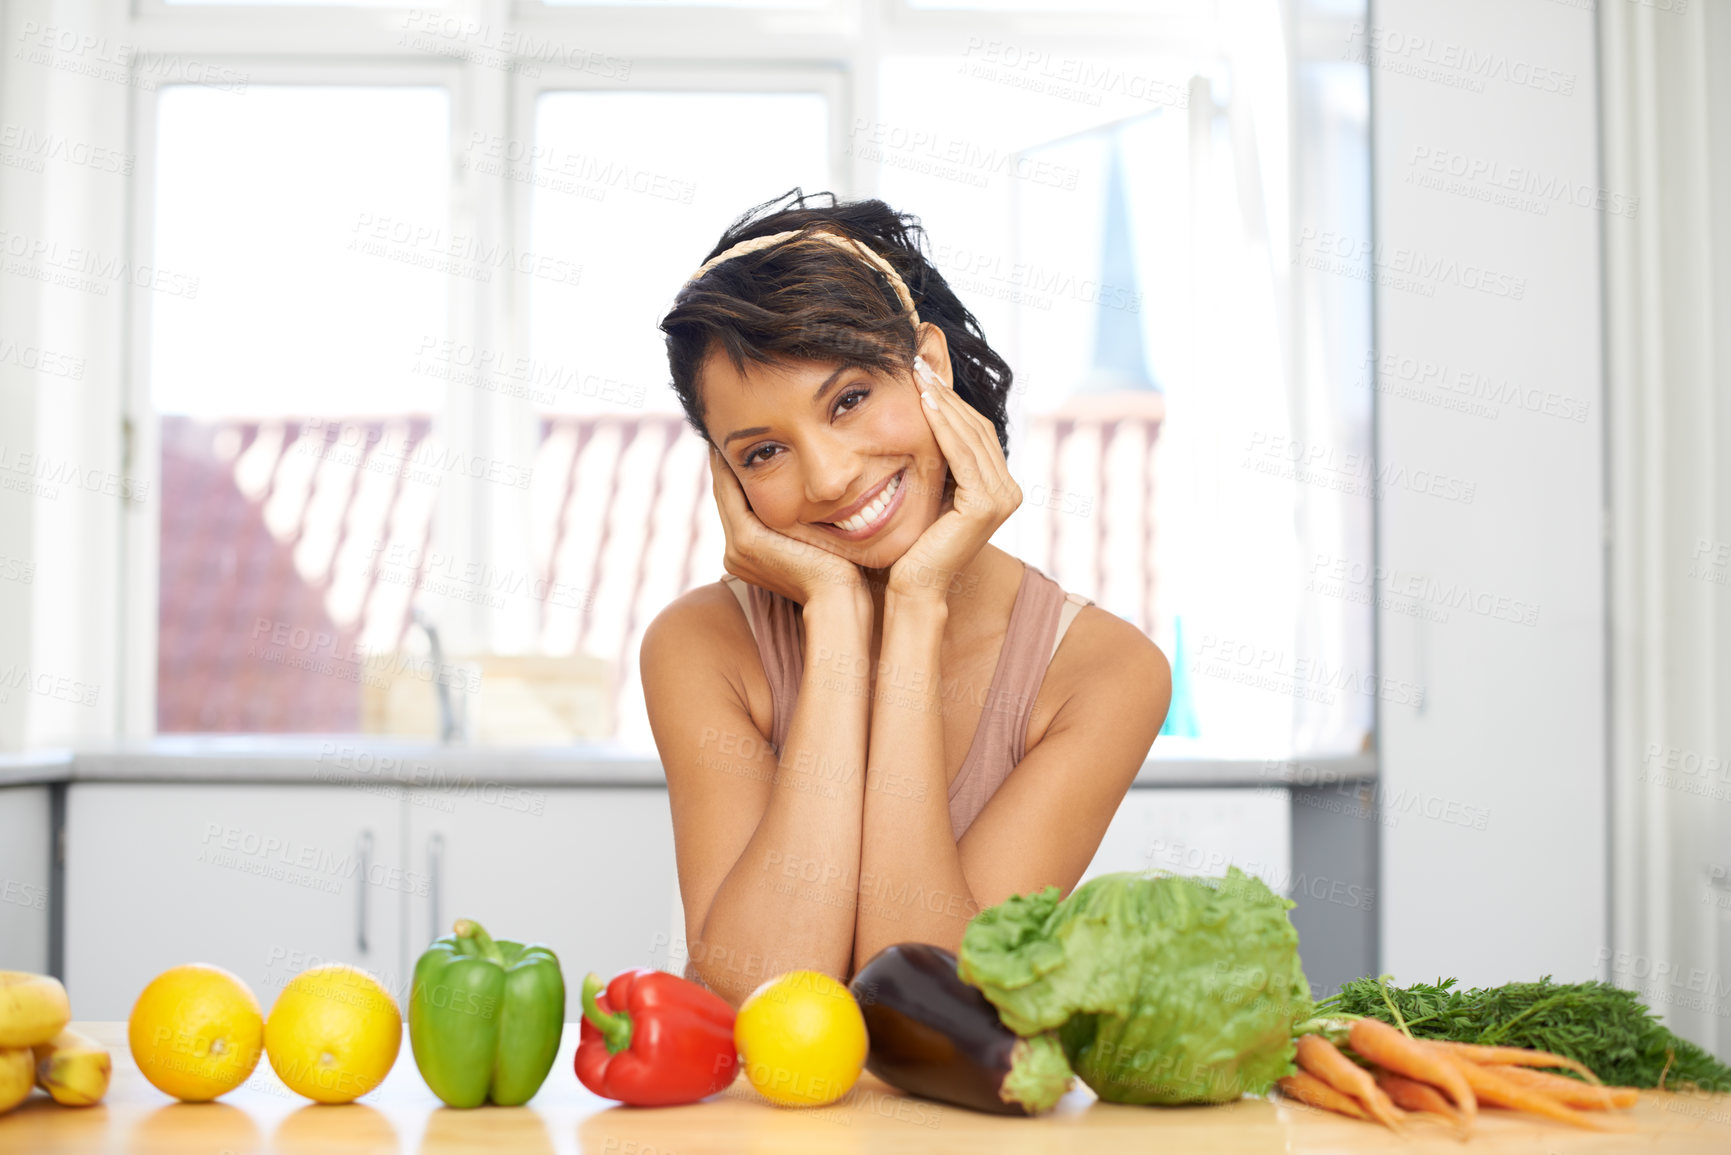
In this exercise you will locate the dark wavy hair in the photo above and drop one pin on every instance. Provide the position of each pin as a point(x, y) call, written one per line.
point(820, 302)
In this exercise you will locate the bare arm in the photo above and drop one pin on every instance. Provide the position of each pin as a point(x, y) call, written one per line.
point(1042, 826)
point(768, 854)
point(912, 888)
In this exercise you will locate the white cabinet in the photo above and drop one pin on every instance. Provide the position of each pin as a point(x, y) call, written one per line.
point(264, 880)
point(24, 849)
point(586, 870)
point(1200, 832)
point(267, 880)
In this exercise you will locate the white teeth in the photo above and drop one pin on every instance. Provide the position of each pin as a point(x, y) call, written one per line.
point(873, 511)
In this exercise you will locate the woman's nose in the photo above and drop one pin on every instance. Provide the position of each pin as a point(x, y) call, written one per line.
point(831, 470)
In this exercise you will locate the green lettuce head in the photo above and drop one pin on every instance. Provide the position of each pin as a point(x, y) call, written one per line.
point(1163, 989)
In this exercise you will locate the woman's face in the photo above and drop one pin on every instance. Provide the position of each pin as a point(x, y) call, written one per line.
point(808, 439)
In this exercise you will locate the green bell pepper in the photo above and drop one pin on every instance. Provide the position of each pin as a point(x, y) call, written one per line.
point(485, 1017)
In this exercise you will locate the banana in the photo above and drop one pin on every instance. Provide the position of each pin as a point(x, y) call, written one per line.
point(16, 1067)
point(73, 1068)
point(33, 1008)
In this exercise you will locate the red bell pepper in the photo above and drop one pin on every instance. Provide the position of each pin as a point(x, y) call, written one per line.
point(668, 1042)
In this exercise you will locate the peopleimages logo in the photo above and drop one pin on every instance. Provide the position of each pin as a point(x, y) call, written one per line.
point(48, 474)
point(921, 148)
point(98, 58)
point(1261, 667)
point(428, 462)
point(1526, 188)
point(466, 38)
point(560, 169)
point(45, 259)
point(1067, 77)
point(1464, 389)
point(1687, 771)
point(1429, 58)
point(1289, 459)
point(1042, 282)
point(1399, 267)
point(1356, 581)
point(37, 146)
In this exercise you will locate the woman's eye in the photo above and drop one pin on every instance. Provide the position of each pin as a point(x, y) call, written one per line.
point(861, 393)
point(752, 460)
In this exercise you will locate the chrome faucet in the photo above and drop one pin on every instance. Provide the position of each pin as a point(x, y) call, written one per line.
point(448, 730)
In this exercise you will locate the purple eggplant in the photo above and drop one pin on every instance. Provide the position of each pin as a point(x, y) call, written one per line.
point(934, 1036)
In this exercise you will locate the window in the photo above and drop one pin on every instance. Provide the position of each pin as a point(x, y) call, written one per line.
point(472, 236)
point(297, 439)
point(651, 180)
point(1123, 226)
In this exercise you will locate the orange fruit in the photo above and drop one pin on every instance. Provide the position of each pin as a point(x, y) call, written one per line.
point(334, 1033)
point(196, 1032)
point(801, 1039)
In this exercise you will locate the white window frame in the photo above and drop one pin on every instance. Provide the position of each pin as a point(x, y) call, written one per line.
point(142, 546)
point(836, 50)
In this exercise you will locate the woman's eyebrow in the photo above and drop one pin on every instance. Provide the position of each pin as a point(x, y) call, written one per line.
point(828, 384)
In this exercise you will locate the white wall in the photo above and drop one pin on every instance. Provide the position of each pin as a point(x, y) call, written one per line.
point(1667, 132)
point(1513, 731)
point(25, 825)
point(62, 302)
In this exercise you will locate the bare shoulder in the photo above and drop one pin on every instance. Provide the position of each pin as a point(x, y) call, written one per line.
point(704, 627)
point(1101, 706)
point(1104, 666)
point(709, 609)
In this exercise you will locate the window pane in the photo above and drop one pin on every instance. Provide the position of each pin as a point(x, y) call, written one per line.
point(690, 3)
point(1127, 253)
point(307, 3)
point(636, 187)
point(272, 199)
point(1138, 7)
point(297, 442)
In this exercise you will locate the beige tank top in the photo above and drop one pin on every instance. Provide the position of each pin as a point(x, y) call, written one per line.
point(1038, 619)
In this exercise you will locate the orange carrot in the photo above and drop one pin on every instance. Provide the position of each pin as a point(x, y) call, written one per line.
point(1387, 1047)
point(1324, 1060)
point(1307, 1088)
point(1569, 1092)
point(1513, 1057)
point(1417, 1096)
point(1492, 1088)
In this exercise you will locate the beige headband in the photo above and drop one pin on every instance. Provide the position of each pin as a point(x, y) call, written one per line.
point(871, 257)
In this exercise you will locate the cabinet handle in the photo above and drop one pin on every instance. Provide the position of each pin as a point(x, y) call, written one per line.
point(364, 852)
point(435, 869)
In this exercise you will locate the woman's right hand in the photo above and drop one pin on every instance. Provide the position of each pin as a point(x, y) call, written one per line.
point(794, 568)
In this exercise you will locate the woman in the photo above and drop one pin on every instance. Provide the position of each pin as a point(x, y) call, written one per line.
point(936, 752)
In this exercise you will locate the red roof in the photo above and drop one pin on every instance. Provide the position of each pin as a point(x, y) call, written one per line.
point(238, 623)
point(278, 537)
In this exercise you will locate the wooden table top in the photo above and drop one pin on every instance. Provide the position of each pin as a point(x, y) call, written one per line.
point(402, 1115)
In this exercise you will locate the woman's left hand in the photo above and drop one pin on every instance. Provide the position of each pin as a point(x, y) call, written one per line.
point(985, 496)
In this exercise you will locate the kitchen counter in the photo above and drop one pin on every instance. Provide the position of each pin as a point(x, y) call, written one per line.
point(352, 759)
point(34, 767)
point(403, 1116)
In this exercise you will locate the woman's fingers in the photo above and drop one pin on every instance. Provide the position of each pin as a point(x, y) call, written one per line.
point(739, 525)
point(724, 498)
point(970, 422)
point(728, 490)
point(719, 486)
point(978, 459)
point(982, 434)
point(960, 447)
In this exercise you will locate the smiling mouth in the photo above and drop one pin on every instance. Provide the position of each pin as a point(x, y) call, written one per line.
point(876, 511)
